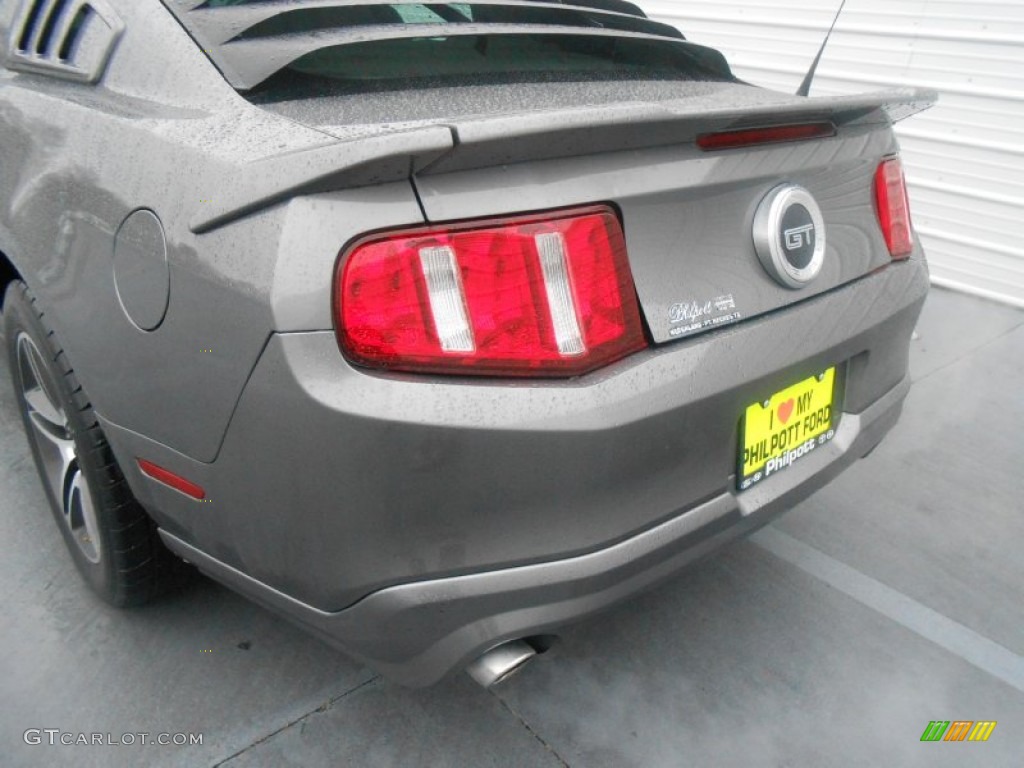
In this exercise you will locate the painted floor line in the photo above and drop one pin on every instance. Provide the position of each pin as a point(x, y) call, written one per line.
point(929, 624)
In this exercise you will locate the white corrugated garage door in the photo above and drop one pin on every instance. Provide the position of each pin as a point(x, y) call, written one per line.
point(964, 158)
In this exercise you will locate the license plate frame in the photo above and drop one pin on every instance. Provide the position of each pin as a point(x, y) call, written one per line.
point(786, 427)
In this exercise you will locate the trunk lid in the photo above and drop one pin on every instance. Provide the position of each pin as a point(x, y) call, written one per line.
point(688, 214)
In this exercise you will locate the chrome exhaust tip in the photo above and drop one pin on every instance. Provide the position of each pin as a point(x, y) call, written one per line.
point(500, 662)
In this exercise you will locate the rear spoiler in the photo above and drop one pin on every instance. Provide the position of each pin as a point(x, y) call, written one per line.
point(503, 139)
point(590, 130)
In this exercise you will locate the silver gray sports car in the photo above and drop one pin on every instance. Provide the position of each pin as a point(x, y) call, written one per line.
point(434, 327)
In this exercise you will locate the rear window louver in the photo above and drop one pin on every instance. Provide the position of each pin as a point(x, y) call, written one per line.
point(252, 40)
point(72, 39)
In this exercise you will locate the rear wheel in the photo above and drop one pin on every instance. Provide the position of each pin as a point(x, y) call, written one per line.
point(110, 537)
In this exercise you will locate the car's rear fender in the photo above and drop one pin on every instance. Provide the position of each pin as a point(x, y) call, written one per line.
point(77, 159)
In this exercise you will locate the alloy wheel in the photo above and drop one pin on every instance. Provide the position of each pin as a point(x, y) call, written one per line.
point(54, 443)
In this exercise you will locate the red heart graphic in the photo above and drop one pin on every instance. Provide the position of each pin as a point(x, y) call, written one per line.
point(785, 410)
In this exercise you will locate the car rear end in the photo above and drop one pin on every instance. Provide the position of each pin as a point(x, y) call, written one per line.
point(628, 314)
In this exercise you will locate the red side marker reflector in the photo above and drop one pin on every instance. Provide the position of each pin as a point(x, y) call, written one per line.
point(776, 134)
point(177, 482)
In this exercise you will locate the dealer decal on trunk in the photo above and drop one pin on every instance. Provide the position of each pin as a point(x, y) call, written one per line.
point(698, 315)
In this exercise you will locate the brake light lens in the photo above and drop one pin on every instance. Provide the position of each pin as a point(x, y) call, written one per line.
point(893, 208)
point(545, 295)
point(774, 134)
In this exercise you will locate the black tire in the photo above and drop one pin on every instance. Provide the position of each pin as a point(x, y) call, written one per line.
point(112, 540)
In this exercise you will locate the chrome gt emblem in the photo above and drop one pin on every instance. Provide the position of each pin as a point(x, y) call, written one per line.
point(798, 237)
point(789, 235)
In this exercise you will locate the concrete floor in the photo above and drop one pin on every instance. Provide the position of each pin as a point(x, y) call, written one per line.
point(832, 638)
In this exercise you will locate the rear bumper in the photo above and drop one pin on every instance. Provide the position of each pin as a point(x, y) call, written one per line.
point(417, 633)
point(415, 523)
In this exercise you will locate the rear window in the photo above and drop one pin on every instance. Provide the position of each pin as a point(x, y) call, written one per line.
point(476, 61)
point(312, 46)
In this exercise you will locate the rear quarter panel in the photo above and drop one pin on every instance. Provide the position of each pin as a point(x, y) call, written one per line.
point(161, 131)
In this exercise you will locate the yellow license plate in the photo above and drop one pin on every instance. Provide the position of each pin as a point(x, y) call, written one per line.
point(786, 427)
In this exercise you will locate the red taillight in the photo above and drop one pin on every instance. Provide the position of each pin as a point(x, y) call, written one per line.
point(894, 208)
point(533, 295)
point(177, 482)
point(774, 134)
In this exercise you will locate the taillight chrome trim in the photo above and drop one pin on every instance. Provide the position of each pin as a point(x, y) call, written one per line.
point(551, 251)
point(447, 299)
